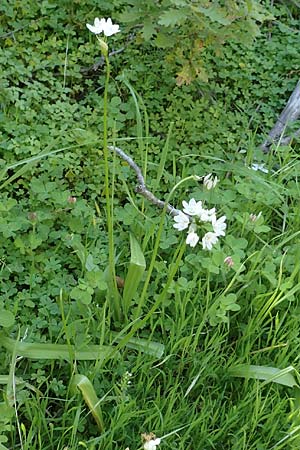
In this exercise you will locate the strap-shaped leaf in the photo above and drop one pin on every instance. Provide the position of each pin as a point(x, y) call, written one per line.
point(55, 351)
point(266, 373)
point(84, 385)
point(135, 272)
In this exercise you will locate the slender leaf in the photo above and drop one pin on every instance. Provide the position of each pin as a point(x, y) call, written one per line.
point(269, 374)
point(84, 385)
point(143, 345)
point(55, 351)
point(135, 272)
point(163, 156)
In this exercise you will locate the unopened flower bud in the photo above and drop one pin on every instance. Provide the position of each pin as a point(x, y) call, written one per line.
point(32, 216)
point(254, 217)
point(229, 261)
point(210, 181)
point(72, 199)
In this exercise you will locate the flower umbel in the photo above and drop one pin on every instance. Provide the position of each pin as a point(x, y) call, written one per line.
point(195, 217)
point(103, 25)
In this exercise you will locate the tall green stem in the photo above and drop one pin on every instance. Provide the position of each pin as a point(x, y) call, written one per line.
point(156, 245)
point(112, 287)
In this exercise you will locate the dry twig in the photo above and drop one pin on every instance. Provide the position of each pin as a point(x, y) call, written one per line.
point(141, 188)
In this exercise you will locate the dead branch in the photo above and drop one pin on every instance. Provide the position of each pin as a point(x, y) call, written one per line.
point(141, 188)
point(290, 114)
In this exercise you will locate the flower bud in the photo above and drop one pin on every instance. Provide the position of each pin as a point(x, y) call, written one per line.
point(32, 216)
point(254, 217)
point(229, 261)
point(72, 199)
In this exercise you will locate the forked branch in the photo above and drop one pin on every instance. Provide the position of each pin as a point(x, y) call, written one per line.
point(141, 188)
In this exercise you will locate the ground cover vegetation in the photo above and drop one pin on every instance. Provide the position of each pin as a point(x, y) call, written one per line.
point(114, 323)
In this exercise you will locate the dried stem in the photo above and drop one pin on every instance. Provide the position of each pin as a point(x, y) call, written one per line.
point(289, 115)
point(141, 188)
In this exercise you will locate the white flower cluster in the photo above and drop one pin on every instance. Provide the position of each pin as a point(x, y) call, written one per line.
point(193, 217)
point(103, 26)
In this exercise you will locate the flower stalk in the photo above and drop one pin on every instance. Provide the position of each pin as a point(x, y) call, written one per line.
point(108, 29)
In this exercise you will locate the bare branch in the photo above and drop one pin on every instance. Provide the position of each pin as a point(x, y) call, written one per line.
point(141, 188)
point(286, 140)
point(100, 62)
point(289, 115)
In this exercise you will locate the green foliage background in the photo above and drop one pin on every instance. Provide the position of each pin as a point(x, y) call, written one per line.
point(54, 251)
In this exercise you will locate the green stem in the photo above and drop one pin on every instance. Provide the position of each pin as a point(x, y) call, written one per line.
point(156, 246)
point(112, 287)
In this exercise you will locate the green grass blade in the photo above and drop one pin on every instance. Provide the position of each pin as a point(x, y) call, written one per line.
point(55, 351)
point(29, 162)
point(266, 373)
point(163, 157)
point(83, 384)
point(143, 345)
point(135, 272)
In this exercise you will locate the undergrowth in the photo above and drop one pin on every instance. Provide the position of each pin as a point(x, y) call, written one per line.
point(204, 348)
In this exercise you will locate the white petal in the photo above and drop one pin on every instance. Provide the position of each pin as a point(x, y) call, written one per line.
point(109, 29)
point(192, 239)
point(152, 444)
point(208, 240)
point(98, 23)
point(192, 208)
point(219, 226)
point(207, 177)
point(97, 28)
point(182, 221)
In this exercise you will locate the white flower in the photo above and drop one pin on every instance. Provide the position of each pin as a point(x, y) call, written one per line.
point(207, 215)
point(219, 226)
point(103, 25)
point(97, 28)
point(260, 167)
point(192, 239)
point(152, 444)
point(208, 240)
point(192, 208)
point(182, 221)
point(210, 182)
point(109, 29)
